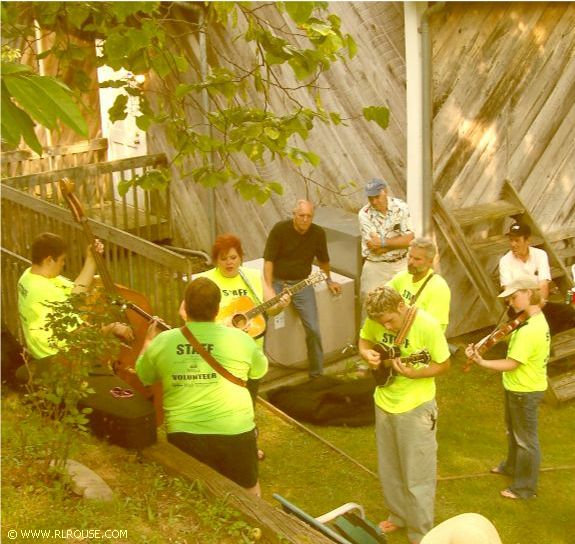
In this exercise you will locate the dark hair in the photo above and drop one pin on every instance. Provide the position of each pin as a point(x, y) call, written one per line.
point(202, 298)
point(225, 242)
point(48, 245)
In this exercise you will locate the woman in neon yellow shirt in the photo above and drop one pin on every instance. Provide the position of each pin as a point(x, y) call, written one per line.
point(241, 289)
point(524, 372)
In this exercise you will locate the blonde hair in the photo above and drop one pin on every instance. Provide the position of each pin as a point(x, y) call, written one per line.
point(382, 300)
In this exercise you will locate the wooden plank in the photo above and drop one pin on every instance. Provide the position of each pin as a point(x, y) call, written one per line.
point(561, 388)
point(562, 346)
point(276, 526)
point(510, 193)
point(97, 144)
point(563, 233)
point(486, 212)
point(143, 247)
point(87, 170)
point(458, 243)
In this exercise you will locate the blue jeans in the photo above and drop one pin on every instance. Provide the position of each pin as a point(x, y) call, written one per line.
point(306, 307)
point(523, 453)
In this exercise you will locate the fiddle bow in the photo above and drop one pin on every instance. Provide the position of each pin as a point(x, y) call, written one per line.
point(496, 335)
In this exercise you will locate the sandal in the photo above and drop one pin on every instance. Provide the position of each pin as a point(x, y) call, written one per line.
point(498, 470)
point(508, 494)
point(261, 455)
point(388, 526)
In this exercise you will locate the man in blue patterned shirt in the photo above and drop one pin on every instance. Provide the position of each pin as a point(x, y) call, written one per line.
point(385, 236)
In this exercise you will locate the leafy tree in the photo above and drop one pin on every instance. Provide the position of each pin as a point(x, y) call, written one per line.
point(153, 38)
point(28, 97)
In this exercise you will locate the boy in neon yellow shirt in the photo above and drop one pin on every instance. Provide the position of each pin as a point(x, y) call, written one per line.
point(434, 294)
point(42, 283)
point(207, 415)
point(406, 411)
point(524, 381)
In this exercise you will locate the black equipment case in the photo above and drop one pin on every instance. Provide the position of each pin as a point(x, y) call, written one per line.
point(120, 413)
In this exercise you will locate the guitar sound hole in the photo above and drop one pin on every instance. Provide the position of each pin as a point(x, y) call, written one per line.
point(239, 321)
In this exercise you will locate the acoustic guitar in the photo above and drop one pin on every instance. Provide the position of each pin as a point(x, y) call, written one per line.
point(384, 373)
point(241, 313)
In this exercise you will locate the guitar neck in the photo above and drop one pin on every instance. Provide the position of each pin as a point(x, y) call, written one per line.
point(413, 359)
point(256, 310)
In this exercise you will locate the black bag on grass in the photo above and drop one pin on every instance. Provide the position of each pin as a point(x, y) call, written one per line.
point(120, 414)
point(328, 401)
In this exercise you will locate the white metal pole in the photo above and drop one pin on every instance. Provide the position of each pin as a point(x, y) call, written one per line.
point(414, 107)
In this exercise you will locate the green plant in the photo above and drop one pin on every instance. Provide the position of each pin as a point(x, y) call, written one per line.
point(56, 391)
point(260, 105)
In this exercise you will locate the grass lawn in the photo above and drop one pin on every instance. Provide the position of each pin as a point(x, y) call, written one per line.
point(155, 508)
point(471, 440)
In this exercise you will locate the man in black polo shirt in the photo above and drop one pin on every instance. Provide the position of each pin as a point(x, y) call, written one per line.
point(290, 250)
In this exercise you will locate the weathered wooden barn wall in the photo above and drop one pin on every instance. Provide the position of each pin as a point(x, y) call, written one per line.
point(504, 107)
point(355, 152)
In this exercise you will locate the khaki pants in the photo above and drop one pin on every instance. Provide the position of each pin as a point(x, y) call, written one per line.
point(407, 464)
point(374, 274)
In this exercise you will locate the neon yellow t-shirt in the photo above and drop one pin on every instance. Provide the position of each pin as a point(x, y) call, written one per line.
point(529, 345)
point(34, 291)
point(234, 288)
point(404, 394)
point(434, 299)
point(197, 399)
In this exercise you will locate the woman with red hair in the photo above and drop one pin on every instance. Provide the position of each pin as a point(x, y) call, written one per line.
point(241, 289)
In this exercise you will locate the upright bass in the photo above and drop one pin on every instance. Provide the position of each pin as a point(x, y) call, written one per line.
point(132, 304)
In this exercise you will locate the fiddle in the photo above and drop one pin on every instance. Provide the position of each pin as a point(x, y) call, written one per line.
point(495, 336)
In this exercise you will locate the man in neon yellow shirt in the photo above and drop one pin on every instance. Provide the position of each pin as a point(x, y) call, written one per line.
point(406, 411)
point(207, 415)
point(42, 283)
point(524, 381)
point(434, 294)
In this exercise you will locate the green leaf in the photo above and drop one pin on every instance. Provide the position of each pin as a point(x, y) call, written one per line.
point(124, 186)
point(144, 122)
point(116, 49)
point(17, 124)
point(118, 111)
point(271, 133)
point(335, 117)
point(11, 68)
point(312, 158)
point(276, 187)
point(46, 99)
point(152, 179)
point(379, 114)
point(300, 12)
point(321, 28)
point(351, 46)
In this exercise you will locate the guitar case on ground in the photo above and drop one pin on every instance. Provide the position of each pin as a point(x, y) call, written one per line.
point(328, 401)
point(120, 414)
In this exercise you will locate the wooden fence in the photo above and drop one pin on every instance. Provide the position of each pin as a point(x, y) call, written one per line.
point(23, 161)
point(142, 213)
point(158, 273)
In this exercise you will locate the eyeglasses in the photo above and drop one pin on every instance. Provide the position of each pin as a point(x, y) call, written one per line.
point(121, 393)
